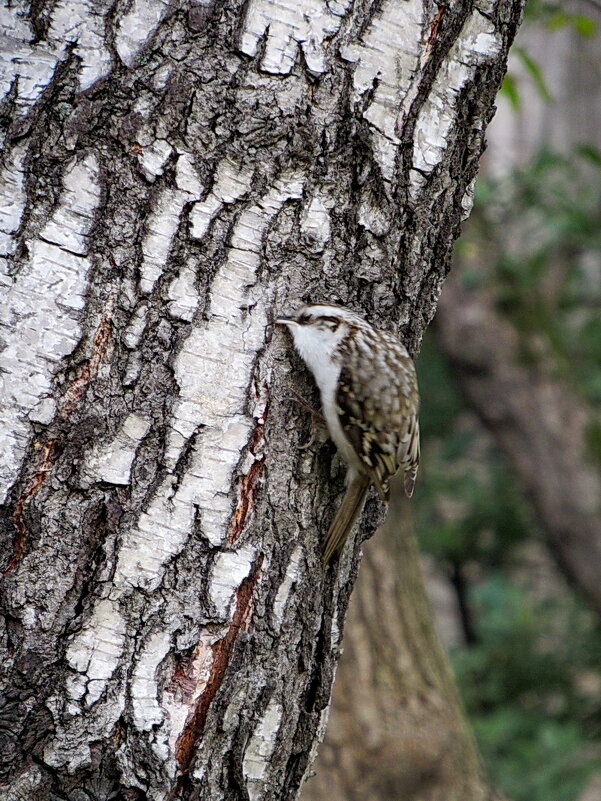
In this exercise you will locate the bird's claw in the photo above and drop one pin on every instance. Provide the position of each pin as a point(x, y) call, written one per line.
point(316, 417)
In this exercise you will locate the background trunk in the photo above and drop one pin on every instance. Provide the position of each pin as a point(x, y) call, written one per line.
point(396, 728)
point(538, 422)
point(174, 175)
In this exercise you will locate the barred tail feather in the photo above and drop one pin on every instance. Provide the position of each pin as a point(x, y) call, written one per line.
point(409, 481)
point(345, 517)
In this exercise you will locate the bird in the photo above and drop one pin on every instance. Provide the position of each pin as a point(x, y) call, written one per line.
point(370, 400)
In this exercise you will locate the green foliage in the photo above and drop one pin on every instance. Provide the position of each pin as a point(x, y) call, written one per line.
point(534, 71)
point(509, 89)
point(537, 723)
point(549, 754)
point(548, 278)
point(553, 17)
point(531, 680)
point(533, 721)
point(468, 506)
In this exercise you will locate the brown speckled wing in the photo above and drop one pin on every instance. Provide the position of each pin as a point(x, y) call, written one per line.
point(377, 402)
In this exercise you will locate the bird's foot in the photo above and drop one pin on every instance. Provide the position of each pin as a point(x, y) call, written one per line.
point(316, 418)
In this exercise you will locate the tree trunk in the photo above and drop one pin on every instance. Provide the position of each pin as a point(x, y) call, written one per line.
point(397, 729)
point(173, 176)
point(538, 422)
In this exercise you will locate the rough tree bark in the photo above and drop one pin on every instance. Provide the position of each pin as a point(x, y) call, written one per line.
point(172, 174)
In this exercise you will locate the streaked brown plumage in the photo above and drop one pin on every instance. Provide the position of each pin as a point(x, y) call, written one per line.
point(370, 400)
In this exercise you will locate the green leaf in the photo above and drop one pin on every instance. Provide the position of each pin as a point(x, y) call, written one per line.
point(591, 153)
point(509, 90)
point(558, 19)
point(535, 73)
point(582, 24)
point(585, 26)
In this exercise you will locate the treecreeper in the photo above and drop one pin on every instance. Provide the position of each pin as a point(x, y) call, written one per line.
point(370, 401)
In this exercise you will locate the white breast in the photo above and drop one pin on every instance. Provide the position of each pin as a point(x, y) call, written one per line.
point(318, 350)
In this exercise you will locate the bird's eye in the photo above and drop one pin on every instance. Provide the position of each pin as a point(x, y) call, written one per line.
point(304, 318)
point(330, 322)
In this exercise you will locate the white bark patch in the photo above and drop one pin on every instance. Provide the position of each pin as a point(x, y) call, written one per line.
point(135, 328)
point(164, 220)
point(335, 634)
point(70, 748)
point(161, 228)
point(153, 158)
point(186, 175)
point(39, 312)
point(389, 51)
point(231, 183)
point(82, 22)
point(183, 297)
point(260, 749)
point(372, 218)
point(112, 461)
point(12, 200)
point(229, 570)
point(160, 535)
point(286, 24)
point(43, 411)
point(467, 201)
point(315, 221)
point(283, 593)
point(137, 26)
point(95, 651)
point(33, 66)
point(319, 735)
point(78, 23)
point(144, 686)
point(477, 43)
point(232, 336)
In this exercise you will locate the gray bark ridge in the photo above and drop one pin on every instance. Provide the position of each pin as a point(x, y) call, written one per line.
point(173, 176)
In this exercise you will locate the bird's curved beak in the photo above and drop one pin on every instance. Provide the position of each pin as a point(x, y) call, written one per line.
point(285, 321)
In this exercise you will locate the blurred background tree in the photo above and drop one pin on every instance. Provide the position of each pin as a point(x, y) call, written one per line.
point(508, 503)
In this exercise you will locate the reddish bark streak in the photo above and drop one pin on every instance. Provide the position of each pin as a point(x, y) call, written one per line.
point(182, 683)
point(89, 369)
point(50, 450)
point(434, 26)
point(248, 485)
point(49, 453)
point(222, 651)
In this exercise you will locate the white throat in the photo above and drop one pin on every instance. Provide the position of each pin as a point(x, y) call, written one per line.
point(317, 349)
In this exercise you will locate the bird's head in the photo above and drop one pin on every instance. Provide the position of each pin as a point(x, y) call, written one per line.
point(318, 329)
